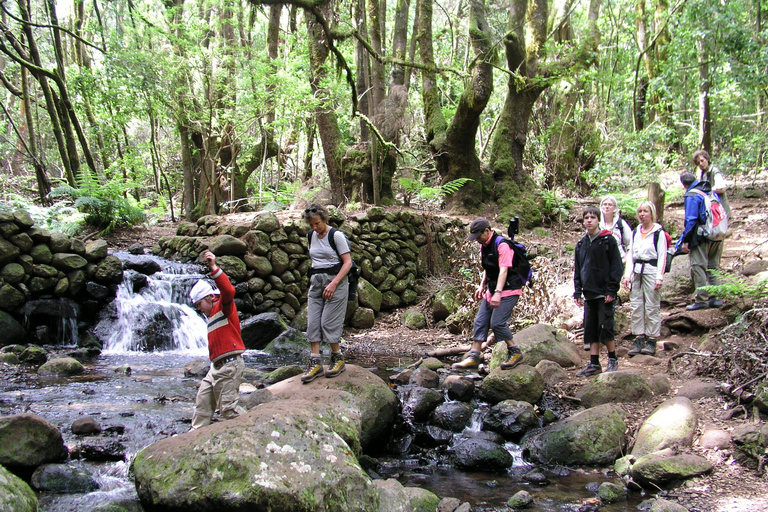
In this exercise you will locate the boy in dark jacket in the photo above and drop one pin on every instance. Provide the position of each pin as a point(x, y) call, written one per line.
point(597, 275)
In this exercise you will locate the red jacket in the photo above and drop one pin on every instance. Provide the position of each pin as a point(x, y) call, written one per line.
point(224, 338)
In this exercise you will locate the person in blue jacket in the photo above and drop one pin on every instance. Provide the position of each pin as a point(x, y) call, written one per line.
point(696, 245)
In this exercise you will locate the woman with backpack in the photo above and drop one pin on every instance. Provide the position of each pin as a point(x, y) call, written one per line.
point(644, 274)
point(328, 292)
point(610, 220)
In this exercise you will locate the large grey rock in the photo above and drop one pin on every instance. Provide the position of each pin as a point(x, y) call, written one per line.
point(671, 424)
point(13, 332)
point(592, 437)
point(521, 383)
point(15, 494)
point(368, 296)
point(27, 440)
point(66, 262)
point(418, 402)
point(226, 245)
point(96, 250)
point(453, 416)
point(110, 270)
point(511, 418)
point(63, 479)
point(259, 330)
point(290, 345)
point(421, 500)
point(544, 342)
point(552, 372)
point(8, 252)
point(266, 222)
point(615, 387)
point(659, 468)
point(260, 264)
point(482, 454)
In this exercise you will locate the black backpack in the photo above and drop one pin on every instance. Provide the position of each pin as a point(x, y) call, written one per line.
point(354, 273)
point(521, 263)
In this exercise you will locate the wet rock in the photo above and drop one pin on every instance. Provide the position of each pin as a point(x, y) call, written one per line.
point(454, 416)
point(144, 265)
point(27, 440)
point(432, 436)
point(118, 505)
point(135, 249)
point(615, 387)
point(289, 345)
point(402, 378)
point(197, 367)
point(459, 388)
point(13, 332)
point(481, 455)
point(673, 423)
point(593, 437)
point(611, 493)
point(521, 499)
point(86, 426)
point(109, 270)
point(259, 330)
point(61, 366)
point(658, 469)
point(424, 377)
point(536, 477)
point(15, 494)
point(100, 449)
point(418, 403)
point(511, 419)
point(33, 355)
point(63, 479)
point(520, 383)
point(414, 320)
point(421, 500)
point(282, 373)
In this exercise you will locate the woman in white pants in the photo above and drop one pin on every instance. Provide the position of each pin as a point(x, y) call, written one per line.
point(644, 273)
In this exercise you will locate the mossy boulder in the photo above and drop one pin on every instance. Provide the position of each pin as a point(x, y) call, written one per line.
point(226, 245)
point(615, 387)
point(368, 296)
point(659, 468)
point(15, 494)
point(520, 383)
point(444, 304)
point(414, 320)
point(27, 441)
point(542, 342)
point(61, 366)
point(671, 424)
point(13, 332)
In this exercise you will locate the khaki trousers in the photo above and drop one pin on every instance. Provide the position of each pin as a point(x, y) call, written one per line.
point(219, 390)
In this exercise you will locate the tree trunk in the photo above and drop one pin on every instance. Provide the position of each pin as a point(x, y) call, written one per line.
point(705, 122)
point(41, 175)
point(656, 195)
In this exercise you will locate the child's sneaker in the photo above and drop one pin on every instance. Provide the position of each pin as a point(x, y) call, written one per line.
point(314, 370)
point(613, 365)
point(590, 370)
point(515, 358)
point(471, 362)
point(336, 366)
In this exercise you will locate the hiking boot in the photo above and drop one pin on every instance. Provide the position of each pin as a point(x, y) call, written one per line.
point(697, 305)
point(715, 303)
point(613, 365)
point(515, 358)
point(638, 348)
point(650, 347)
point(314, 370)
point(336, 366)
point(590, 370)
point(471, 362)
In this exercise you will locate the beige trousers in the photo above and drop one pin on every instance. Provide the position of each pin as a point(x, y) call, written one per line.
point(219, 390)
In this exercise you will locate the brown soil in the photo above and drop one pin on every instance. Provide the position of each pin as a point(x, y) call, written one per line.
point(735, 484)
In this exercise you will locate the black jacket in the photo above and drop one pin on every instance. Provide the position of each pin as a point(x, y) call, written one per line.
point(598, 266)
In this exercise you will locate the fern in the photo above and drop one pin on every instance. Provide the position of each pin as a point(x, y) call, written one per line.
point(453, 186)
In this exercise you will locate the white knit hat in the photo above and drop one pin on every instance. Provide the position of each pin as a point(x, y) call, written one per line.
point(201, 290)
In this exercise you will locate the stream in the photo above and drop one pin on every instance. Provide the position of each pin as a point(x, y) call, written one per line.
point(144, 395)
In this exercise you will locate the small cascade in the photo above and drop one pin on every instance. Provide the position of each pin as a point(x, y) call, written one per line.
point(52, 321)
point(152, 313)
point(476, 421)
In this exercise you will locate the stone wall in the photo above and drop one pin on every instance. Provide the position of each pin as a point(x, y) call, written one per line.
point(267, 259)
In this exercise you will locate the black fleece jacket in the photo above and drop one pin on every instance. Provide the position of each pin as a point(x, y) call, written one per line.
point(598, 268)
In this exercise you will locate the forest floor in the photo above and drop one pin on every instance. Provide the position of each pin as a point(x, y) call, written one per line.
point(735, 484)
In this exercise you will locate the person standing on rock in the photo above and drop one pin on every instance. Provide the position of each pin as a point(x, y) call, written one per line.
point(220, 387)
point(704, 255)
point(644, 274)
point(328, 292)
point(596, 280)
point(498, 291)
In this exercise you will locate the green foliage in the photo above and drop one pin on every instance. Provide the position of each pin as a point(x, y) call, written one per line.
point(415, 188)
point(554, 206)
point(104, 205)
point(734, 288)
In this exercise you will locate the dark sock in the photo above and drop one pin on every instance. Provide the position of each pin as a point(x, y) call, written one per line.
point(612, 355)
point(594, 359)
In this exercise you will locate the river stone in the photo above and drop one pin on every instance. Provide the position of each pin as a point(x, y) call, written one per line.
point(143, 264)
point(100, 449)
point(594, 437)
point(8, 252)
point(421, 500)
point(520, 383)
point(662, 505)
point(673, 423)
point(511, 419)
point(521, 499)
point(368, 296)
point(197, 367)
point(97, 291)
point(15, 494)
point(282, 373)
point(459, 388)
point(33, 355)
point(268, 459)
point(86, 426)
point(63, 479)
point(657, 469)
point(41, 254)
point(615, 387)
point(259, 330)
point(413, 319)
point(482, 455)
point(544, 342)
point(13, 332)
point(9, 358)
point(22, 241)
point(61, 366)
point(110, 270)
point(611, 493)
point(552, 372)
point(59, 242)
point(418, 403)
point(424, 377)
point(453, 416)
point(27, 440)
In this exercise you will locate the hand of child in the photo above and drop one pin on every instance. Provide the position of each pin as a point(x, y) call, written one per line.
point(210, 259)
point(579, 301)
point(608, 299)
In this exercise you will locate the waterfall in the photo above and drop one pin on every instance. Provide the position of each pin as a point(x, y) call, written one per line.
point(152, 313)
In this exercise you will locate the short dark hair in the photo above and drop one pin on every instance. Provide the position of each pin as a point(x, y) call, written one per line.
point(701, 153)
point(686, 178)
point(592, 210)
point(316, 210)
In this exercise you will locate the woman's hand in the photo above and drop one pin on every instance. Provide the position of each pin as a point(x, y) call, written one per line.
point(479, 292)
point(329, 291)
point(659, 282)
point(495, 300)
